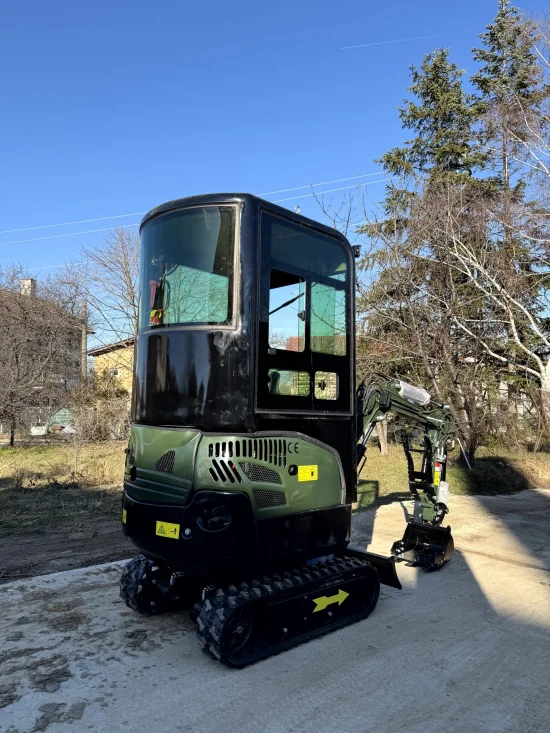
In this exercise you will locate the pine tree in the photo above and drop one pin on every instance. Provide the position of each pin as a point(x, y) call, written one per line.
point(511, 92)
point(511, 87)
point(442, 119)
point(412, 304)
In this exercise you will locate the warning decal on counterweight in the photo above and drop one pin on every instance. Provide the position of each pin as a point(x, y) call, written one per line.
point(308, 473)
point(167, 529)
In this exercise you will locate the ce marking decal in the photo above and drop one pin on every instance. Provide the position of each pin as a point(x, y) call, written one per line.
point(292, 447)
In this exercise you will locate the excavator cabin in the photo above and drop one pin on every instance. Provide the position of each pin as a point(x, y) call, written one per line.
point(246, 352)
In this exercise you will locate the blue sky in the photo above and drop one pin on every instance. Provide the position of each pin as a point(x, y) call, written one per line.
point(110, 108)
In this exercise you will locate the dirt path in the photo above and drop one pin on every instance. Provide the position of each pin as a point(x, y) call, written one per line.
point(76, 544)
point(463, 650)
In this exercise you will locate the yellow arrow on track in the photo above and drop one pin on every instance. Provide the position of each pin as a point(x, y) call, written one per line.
point(324, 601)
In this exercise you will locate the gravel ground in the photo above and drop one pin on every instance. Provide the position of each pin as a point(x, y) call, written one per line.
point(463, 650)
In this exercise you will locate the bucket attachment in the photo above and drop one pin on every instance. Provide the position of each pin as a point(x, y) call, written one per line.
point(424, 545)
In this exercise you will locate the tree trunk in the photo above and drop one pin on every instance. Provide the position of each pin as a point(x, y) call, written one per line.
point(545, 407)
point(512, 400)
point(76, 453)
point(467, 457)
point(12, 432)
point(382, 433)
point(468, 441)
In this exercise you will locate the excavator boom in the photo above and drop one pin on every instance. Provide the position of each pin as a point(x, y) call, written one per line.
point(425, 542)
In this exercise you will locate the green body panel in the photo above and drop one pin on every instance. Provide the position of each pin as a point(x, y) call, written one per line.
point(198, 460)
point(146, 447)
point(300, 495)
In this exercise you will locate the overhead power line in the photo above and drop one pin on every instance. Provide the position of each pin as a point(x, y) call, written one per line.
point(141, 213)
point(68, 223)
point(324, 183)
point(70, 234)
point(53, 267)
point(404, 40)
point(331, 190)
point(129, 226)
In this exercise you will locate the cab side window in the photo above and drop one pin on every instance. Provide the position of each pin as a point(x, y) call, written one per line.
point(328, 319)
point(287, 311)
point(305, 349)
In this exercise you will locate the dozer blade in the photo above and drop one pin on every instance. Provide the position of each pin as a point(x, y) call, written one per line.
point(385, 566)
point(425, 546)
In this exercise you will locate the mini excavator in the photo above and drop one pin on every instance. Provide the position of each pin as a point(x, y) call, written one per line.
point(247, 432)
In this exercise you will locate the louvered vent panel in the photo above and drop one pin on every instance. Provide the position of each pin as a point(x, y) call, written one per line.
point(260, 473)
point(225, 471)
point(166, 462)
point(265, 498)
point(270, 450)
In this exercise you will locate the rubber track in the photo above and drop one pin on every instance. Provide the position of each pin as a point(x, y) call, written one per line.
point(133, 587)
point(221, 603)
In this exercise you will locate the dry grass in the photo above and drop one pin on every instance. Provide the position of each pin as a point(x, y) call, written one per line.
point(498, 471)
point(42, 464)
point(38, 489)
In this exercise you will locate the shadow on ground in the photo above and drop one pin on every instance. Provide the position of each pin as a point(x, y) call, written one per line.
point(488, 476)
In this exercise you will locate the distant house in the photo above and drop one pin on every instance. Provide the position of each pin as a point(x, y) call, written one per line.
point(38, 331)
point(117, 359)
point(41, 356)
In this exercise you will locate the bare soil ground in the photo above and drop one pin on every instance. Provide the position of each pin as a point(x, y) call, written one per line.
point(70, 544)
point(54, 519)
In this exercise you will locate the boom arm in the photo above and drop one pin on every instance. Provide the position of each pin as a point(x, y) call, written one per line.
point(374, 401)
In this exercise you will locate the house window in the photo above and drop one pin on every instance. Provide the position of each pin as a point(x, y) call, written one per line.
point(114, 372)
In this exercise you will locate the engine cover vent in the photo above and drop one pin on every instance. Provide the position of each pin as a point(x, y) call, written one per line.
point(270, 450)
point(225, 471)
point(266, 498)
point(262, 474)
point(166, 462)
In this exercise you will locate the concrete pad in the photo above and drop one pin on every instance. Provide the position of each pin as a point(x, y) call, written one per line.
point(461, 650)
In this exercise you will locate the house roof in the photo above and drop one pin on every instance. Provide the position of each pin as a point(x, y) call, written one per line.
point(107, 348)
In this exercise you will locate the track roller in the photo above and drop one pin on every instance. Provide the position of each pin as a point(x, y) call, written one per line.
point(151, 589)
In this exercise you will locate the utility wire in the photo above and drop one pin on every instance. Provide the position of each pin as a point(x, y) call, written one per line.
point(54, 267)
point(331, 190)
point(141, 213)
point(68, 223)
point(71, 234)
point(128, 226)
point(403, 40)
point(324, 183)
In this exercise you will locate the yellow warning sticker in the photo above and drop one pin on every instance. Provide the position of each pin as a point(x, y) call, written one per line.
point(166, 529)
point(308, 473)
point(124, 515)
point(437, 478)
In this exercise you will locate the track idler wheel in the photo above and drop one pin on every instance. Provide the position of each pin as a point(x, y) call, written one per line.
point(146, 587)
point(425, 546)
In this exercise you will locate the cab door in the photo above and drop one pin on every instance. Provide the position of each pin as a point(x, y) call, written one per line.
point(304, 346)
